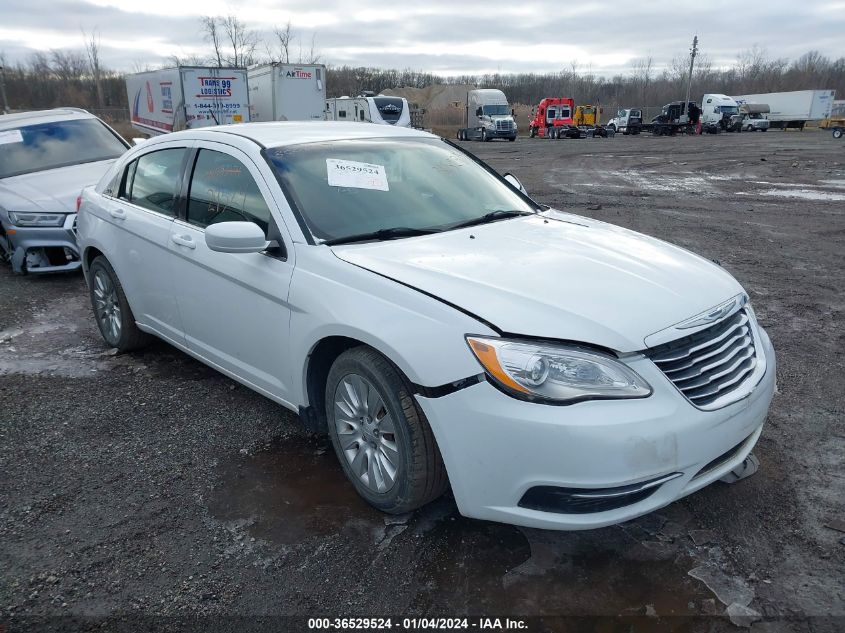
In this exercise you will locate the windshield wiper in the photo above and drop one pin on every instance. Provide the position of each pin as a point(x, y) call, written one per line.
point(393, 233)
point(493, 216)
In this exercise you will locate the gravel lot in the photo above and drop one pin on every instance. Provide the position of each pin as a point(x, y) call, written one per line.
point(149, 486)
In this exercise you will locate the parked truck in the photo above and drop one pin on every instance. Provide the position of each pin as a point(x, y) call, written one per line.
point(676, 117)
point(588, 121)
point(378, 109)
point(717, 112)
point(751, 117)
point(627, 121)
point(287, 92)
point(488, 116)
point(793, 109)
point(552, 115)
point(172, 99)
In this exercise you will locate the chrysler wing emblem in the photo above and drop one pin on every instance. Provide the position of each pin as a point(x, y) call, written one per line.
point(714, 314)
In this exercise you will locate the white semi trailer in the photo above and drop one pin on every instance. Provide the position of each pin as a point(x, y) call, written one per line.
point(173, 99)
point(793, 109)
point(379, 109)
point(287, 92)
point(488, 116)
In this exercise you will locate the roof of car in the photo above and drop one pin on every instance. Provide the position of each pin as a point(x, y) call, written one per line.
point(279, 133)
point(18, 119)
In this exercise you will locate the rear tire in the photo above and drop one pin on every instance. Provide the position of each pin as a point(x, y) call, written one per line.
point(837, 133)
point(380, 435)
point(111, 309)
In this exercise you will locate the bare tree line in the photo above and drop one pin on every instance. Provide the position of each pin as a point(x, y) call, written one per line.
point(78, 77)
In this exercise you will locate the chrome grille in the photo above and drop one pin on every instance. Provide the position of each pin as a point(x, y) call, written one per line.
point(710, 364)
point(504, 126)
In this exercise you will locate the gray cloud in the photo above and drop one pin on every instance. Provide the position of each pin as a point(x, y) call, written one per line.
point(423, 41)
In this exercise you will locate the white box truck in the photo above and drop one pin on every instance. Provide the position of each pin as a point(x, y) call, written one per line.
point(287, 92)
point(793, 109)
point(379, 109)
point(488, 116)
point(173, 99)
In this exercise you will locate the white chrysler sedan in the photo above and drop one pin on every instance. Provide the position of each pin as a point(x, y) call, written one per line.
point(442, 327)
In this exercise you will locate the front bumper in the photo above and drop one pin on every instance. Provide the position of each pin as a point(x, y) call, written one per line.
point(496, 448)
point(501, 133)
point(45, 249)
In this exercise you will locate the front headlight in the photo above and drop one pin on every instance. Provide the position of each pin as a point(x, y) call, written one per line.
point(555, 373)
point(36, 219)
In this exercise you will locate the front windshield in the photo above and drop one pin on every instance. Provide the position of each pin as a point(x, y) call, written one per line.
point(350, 187)
point(57, 144)
point(495, 110)
point(729, 109)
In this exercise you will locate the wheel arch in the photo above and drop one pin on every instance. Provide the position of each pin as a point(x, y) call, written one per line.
point(318, 364)
point(88, 256)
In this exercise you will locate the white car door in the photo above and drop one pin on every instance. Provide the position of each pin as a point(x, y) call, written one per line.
point(141, 214)
point(234, 307)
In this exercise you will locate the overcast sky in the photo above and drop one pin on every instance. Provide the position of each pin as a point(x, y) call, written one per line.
point(444, 36)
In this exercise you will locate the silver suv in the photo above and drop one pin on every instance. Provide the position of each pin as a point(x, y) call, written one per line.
point(46, 158)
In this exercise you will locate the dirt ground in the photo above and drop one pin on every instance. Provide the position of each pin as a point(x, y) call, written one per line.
point(139, 490)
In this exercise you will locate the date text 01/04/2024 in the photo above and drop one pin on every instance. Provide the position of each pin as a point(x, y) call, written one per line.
point(416, 624)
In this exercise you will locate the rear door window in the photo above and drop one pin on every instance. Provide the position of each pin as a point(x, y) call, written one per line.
point(223, 190)
point(153, 181)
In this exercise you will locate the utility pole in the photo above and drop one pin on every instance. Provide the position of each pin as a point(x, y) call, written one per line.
point(3, 89)
point(693, 53)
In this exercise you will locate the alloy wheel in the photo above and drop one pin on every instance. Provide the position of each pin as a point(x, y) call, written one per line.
point(107, 305)
point(366, 433)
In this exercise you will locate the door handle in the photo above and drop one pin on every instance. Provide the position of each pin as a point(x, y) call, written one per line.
point(117, 214)
point(183, 240)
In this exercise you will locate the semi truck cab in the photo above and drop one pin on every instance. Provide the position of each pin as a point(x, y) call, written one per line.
point(627, 121)
point(552, 112)
point(488, 116)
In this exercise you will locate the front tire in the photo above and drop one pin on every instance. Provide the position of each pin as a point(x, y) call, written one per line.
point(380, 435)
point(837, 133)
point(111, 309)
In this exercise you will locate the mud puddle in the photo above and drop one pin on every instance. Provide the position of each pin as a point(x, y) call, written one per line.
point(291, 492)
point(294, 495)
point(60, 339)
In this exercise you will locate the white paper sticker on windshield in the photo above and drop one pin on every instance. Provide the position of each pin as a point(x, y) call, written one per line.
point(350, 173)
point(11, 136)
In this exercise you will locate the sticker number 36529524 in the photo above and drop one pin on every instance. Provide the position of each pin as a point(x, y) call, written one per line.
point(350, 173)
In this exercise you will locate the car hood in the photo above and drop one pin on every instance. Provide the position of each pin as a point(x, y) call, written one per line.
point(555, 276)
point(53, 190)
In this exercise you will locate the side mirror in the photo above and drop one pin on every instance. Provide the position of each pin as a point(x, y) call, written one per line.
point(137, 140)
point(235, 237)
point(513, 180)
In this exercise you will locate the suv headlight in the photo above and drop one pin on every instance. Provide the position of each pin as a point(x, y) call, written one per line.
point(37, 219)
point(555, 373)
